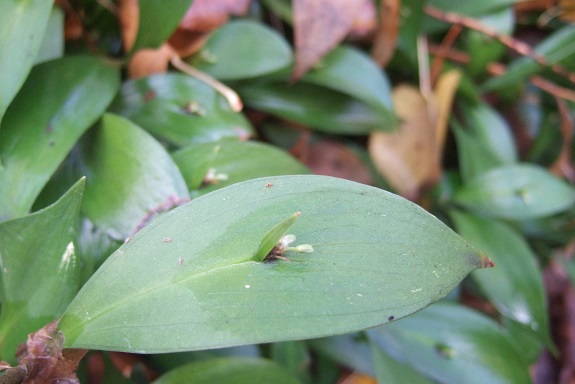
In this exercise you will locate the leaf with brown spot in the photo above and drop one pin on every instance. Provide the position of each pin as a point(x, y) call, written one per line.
point(45, 360)
point(385, 39)
point(408, 158)
point(319, 26)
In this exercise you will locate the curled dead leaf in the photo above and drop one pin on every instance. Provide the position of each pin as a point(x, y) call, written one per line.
point(408, 158)
point(146, 62)
point(385, 39)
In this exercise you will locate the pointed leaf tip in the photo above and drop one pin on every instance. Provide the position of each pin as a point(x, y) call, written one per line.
point(486, 262)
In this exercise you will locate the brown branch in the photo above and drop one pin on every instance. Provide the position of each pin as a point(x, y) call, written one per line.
point(443, 48)
point(518, 46)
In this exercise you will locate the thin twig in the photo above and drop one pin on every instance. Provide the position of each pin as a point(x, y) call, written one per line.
point(444, 47)
point(423, 61)
point(518, 46)
point(230, 95)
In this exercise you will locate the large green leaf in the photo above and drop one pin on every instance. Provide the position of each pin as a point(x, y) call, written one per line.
point(517, 192)
point(516, 286)
point(40, 274)
point(189, 280)
point(233, 161)
point(229, 370)
point(321, 108)
point(22, 28)
point(180, 109)
point(130, 177)
point(243, 49)
point(157, 21)
point(453, 344)
point(58, 102)
point(52, 46)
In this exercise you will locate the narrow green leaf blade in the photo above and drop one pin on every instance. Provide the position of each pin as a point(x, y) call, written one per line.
point(157, 21)
point(40, 274)
point(59, 101)
point(516, 192)
point(377, 257)
point(453, 344)
point(21, 32)
point(130, 177)
point(515, 287)
point(229, 370)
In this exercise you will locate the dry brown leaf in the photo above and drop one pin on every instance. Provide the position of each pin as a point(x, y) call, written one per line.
point(129, 15)
point(146, 62)
point(331, 158)
point(385, 39)
point(408, 158)
point(567, 10)
point(319, 26)
point(444, 91)
point(207, 15)
point(46, 361)
point(364, 21)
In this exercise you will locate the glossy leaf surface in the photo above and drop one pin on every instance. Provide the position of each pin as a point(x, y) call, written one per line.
point(187, 282)
point(40, 274)
point(517, 192)
point(59, 101)
point(516, 286)
point(130, 176)
point(243, 49)
point(26, 19)
point(179, 109)
point(229, 370)
point(452, 344)
point(236, 161)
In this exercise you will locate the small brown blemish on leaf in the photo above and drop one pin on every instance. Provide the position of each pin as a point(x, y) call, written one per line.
point(194, 108)
point(149, 96)
point(269, 185)
point(487, 263)
point(391, 318)
point(180, 261)
point(167, 239)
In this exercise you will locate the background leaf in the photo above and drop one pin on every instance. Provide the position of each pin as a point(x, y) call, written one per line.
point(453, 344)
point(186, 281)
point(157, 22)
point(232, 370)
point(130, 177)
point(515, 287)
point(238, 161)
point(517, 192)
point(180, 109)
point(40, 274)
point(20, 18)
point(243, 49)
point(59, 101)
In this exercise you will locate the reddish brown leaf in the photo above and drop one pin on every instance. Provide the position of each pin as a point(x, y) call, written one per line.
point(319, 26)
point(385, 39)
point(206, 15)
point(45, 360)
